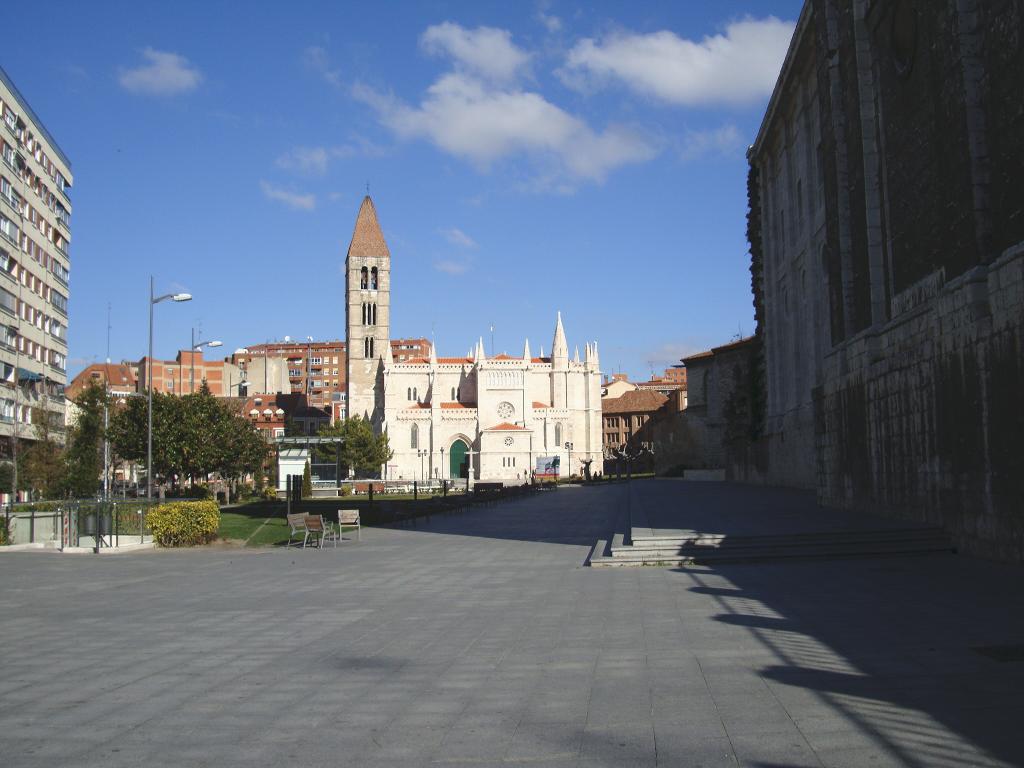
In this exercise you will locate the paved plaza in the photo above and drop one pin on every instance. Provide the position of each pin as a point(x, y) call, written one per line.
point(483, 639)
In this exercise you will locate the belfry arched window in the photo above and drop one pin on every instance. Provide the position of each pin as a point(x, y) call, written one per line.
point(373, 279)
point(414, 436)
point(558, 434)
point(364, 278)
point(408, 393)
point(368, 347)
point(373, 314)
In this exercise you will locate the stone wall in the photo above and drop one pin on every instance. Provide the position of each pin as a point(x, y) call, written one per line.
point(894, 380)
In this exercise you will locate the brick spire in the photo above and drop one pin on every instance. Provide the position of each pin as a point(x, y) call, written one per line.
point(367, 237)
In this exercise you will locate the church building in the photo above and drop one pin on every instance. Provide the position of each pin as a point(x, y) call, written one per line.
point(455, 417)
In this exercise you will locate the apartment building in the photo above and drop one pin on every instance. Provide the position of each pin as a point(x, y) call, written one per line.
point(186, 373)
point(316, 369)
point(35, 233)
point(120, 380)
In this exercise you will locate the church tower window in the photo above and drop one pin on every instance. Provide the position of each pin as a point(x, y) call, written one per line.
point(368, 347)
point(373, 279)
point(364, 278)
point(414, 436)
point(558, 435)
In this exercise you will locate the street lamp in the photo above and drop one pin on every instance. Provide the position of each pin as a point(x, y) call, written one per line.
point(154, 300)
point(421, 453)
point(568, 468)
point(196, 347)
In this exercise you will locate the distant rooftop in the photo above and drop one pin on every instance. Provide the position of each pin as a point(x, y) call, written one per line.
point(23, 102)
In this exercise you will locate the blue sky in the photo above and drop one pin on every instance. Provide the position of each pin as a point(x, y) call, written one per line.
point(523, 157)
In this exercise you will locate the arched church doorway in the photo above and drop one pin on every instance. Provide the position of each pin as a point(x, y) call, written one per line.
point(459, 466)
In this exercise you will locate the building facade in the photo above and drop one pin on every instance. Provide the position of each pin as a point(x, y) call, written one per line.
point(35, 234)
point(314, 368)
point(887, 239)
point(452, 417)
point(186, 373)
point(624, 420)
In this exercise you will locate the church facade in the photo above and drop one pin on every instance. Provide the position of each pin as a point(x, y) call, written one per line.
point(484, 418)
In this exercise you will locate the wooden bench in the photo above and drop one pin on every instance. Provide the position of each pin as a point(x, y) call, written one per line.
point(321, 531)
point(297, 524)
point(350, 517)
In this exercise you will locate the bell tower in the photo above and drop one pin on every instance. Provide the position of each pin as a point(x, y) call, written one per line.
point(367, 315)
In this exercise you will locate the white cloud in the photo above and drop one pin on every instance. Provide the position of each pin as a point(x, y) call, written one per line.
point(483, 123)
point(456, 236)
point(450, 267)
point(312, 160)
point(316, 59)
point(724, 140)
point(737, 67)
point(485, 51)
point(163, 74)
point(316, 161)
point(291, 199)
point(551, 23)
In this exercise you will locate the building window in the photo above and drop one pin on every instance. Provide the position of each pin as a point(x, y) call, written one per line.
point(373, 279)
point(368, 347)
point(415, 394)
point(363, 278)
point(408, 394)
point(453, 393)
point(558, 434)
point(414, 436)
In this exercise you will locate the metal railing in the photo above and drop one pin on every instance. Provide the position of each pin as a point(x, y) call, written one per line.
point(89, 523)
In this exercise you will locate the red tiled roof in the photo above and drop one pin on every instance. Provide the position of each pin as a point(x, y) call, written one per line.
point(440, 361)
point(634, 401)
point(367, 238)
point(540, 360)
point(505, 426)
point(458, 405)
point(538, 404)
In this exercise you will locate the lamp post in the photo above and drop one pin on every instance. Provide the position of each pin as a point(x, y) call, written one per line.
point(197, 347)
point(153, 301)
point(421, 453)
point(568, 468)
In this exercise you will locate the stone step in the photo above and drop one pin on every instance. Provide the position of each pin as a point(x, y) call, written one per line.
point(664, 544)
point(815, 551)
point(711, 539)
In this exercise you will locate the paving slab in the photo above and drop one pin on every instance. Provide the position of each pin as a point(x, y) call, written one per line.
point(482, 639)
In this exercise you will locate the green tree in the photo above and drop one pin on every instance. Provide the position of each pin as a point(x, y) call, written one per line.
point(307, 482)
point(44, 459)
point(128, 430)
point(361, 450)
point(84, 455)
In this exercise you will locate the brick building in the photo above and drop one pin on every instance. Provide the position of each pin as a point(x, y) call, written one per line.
point(317, 369)
point(186, 374)
point(624, 419)
point(120, 380)
point(887, 239)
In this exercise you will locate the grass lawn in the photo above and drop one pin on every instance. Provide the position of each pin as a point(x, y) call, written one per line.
point(263, 523)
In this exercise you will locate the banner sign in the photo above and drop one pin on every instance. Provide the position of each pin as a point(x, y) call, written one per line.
point(547, 467)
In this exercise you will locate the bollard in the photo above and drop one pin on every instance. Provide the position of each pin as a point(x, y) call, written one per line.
point(415, 491)
point(444, 487)
point(32, 526)
point(370, 493)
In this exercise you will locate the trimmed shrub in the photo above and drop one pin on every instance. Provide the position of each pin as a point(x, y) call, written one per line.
point(184, 523)
point(270, 494)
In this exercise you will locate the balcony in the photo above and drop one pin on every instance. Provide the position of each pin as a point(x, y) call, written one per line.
point(16, 207)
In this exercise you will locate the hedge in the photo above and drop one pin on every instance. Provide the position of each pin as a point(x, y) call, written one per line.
point(184, 523)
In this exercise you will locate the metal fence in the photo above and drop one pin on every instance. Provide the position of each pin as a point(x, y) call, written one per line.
point(78, 523)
